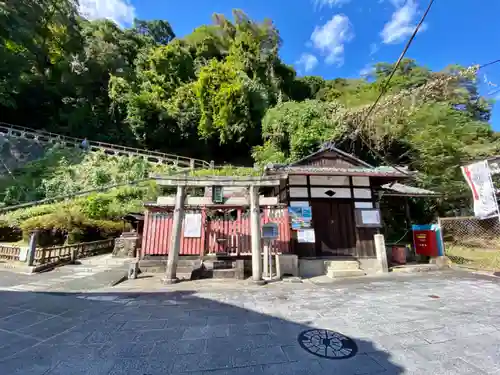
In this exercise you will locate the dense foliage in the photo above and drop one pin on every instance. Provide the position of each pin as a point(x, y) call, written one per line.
point(220, 93)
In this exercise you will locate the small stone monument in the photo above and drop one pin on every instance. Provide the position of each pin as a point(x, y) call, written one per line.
point(128, 243)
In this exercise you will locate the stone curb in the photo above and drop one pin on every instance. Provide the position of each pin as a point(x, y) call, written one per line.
point(416, 268)
point(491, 273)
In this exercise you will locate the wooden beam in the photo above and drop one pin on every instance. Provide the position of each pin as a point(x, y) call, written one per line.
point(207, 201)
point(217, 181)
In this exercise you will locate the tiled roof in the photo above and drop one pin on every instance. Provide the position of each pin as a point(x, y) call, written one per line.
point(400, 189)
point(331, 147)
point(382, 171)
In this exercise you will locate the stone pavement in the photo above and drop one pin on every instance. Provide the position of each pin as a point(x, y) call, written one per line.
point(90, 273)
point(445, 323)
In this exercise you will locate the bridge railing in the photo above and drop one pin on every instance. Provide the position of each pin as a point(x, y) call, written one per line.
point(153, 156)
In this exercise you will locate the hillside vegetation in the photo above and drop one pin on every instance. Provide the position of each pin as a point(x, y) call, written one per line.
point(97, 214)
point(219, 93)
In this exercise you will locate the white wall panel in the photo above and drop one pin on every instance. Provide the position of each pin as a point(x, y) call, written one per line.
point(321, 192)
point(361, 181)
point(362, 193)
point(329, 180)
point(363, 205)
point(296, 192)
point(297, 180)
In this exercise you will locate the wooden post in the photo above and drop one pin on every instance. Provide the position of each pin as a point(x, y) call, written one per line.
point(73, 254)
point(175, 239)
point(265, 272)
point(32, 248)
point(255, 233)
point(407, 212)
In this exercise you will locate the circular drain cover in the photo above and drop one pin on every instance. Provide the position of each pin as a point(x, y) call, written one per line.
point(327, 344)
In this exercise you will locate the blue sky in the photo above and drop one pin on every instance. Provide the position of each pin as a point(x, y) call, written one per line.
point(342, 38)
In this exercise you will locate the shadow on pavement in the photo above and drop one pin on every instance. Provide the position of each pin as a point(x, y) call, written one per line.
point(169, 333)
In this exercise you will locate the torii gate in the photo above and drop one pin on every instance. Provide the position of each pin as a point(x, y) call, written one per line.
point(182, 182)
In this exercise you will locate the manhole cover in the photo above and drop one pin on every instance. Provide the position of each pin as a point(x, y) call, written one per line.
point(327, 344)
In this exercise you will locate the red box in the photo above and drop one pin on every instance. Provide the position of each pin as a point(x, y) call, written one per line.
point(425, 242)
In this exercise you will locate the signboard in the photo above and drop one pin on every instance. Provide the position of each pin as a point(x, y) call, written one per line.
point(301, 217)
point(270, 231)
point(217, 194)
point(306, 236)
point(299, 204)
point(368, 217)
point(192, 225)
point(478, 178)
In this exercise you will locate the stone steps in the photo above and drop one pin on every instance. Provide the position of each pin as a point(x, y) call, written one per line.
point(341, 264)
point(343, 268)
point(192, 269)
point(335, 274)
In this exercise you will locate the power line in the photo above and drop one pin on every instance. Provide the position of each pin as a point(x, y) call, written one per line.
point(386, 85)
point(488, 64)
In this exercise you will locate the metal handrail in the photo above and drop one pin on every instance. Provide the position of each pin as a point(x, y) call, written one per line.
point(109, 146)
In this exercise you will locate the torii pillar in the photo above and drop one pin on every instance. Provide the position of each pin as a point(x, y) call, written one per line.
point(255, 229)
point(175, 239)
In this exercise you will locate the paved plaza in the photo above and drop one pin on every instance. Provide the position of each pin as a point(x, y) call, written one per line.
point(446, 323)
point(88, 274)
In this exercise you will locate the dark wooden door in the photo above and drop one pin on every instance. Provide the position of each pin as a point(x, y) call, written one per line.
point(334, 227)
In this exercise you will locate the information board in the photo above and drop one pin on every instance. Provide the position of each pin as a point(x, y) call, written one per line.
point(306, 236)
point(270, 231)
point(301, 217)
point(368, 217)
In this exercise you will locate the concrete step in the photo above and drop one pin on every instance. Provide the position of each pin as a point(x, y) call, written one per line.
point(184, 269)
point(341, 265)
point(189, 263)
point(218, 264)
point(160, 265)
point(224, 273)
point(183, 275)
point(334, 274)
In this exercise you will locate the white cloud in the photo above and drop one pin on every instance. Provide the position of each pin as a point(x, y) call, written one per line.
point(331, 38)
point(307, 62)
point(367, 70)
point(120, 11)
point(330, 3)
point(402, 23)
point(374, 49)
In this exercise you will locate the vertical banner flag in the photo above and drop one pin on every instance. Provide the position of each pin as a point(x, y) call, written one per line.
point(478, 177)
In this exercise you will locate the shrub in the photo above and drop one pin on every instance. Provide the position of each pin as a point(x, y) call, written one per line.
point(107, 228)
point(14, 218)
point(53, 229)
point(9, 233)
point(69, 227)
point(96, 206)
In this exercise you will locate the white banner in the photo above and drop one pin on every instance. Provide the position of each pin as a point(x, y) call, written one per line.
point(478, 176)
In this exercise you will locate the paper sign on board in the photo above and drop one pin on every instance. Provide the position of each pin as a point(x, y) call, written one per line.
point(192, 225)
point(370, 217)
point(306, 236)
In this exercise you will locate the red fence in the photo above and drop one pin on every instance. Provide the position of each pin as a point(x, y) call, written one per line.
point(225, 230)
